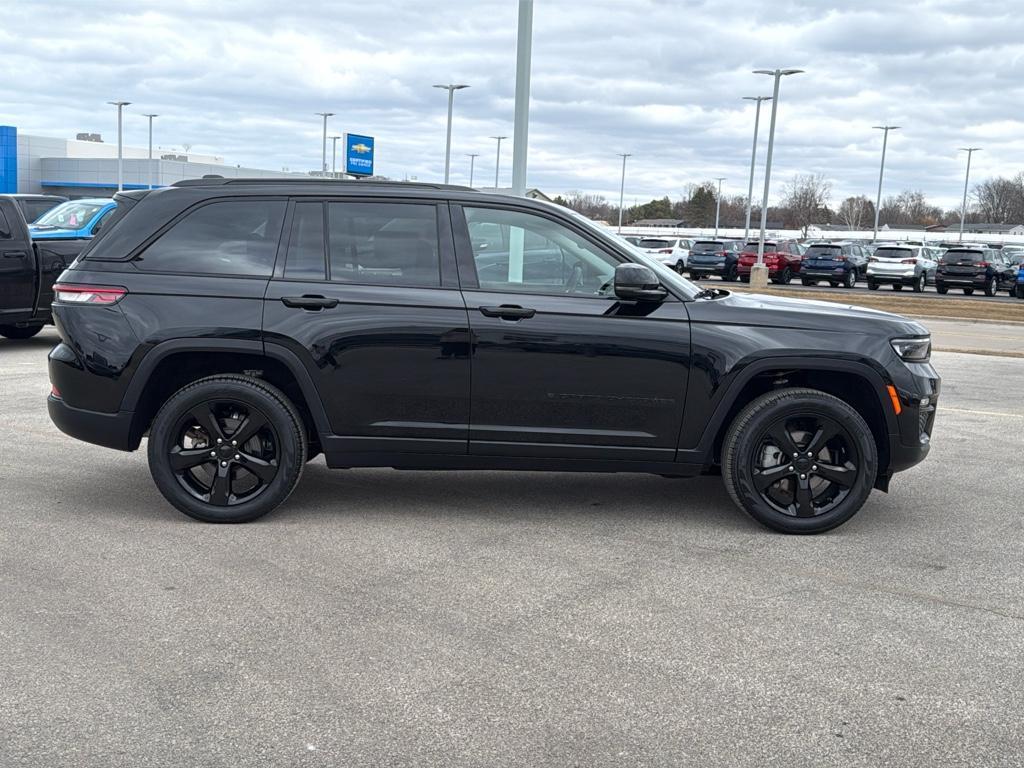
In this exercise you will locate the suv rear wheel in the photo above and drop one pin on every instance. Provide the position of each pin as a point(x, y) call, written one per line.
point(799, 461)
point(992, 286)
point(227, 449)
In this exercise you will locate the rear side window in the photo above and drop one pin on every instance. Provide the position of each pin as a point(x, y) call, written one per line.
point(5, 227)
point(383, 244)
point(306, 244)
point(229, 237)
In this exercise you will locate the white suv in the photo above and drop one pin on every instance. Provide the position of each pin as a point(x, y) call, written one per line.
point(901, 265)
point(673, 252)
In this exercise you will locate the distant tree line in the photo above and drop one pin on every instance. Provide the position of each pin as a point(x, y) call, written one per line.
point(807, 201)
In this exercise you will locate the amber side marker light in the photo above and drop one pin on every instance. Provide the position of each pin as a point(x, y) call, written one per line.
point(894, 396)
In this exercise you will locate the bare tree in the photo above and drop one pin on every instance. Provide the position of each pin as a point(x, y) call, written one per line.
point(806, 199)
point(856, 212)
point(1000, 200)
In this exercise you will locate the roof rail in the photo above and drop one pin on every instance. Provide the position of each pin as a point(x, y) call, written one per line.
point(215, 181)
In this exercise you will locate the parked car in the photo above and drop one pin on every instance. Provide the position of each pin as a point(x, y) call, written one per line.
point(976, 267)
point(246, 325)
point(73, 219)
point(632, 239)
point(714, 257)
point(838, 263)
point(782, 257)
point(1020, 281)
point(673, 251)
point(901, 265)
point(34, 206)
point(27, 272)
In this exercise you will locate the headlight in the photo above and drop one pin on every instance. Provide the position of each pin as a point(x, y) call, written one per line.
point(913, 350)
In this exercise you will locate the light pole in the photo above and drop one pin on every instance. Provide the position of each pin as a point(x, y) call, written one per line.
point(753, 157)
point(497, 161)
point(759, 273)
point(151, 148)
point(120, 144)
point(472, 162)
point(878, 198)
point(521, 118)
point(334, 156)
point(963, 207)
point(323, 147)
point(622, 187)
point(718, 202)
point(451, 88)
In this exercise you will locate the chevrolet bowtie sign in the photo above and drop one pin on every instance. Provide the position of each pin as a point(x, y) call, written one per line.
point(358, 154)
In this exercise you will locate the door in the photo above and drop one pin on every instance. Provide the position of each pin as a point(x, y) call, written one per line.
point(17, 271)
point(560, 367)
point(367, 297)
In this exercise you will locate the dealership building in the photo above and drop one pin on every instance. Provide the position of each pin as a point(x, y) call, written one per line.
point(87, 166)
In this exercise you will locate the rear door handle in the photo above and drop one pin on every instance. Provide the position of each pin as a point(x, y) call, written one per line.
point(15, 254)
point(314, 303)
point(508, 312)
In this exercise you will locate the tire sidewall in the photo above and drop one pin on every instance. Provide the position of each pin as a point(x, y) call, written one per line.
point(745, 436)
point(279, 414)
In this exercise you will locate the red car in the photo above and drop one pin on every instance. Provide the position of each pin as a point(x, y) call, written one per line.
point(782, 258)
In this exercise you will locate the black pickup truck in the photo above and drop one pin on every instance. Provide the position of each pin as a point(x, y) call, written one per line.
point(27, 272)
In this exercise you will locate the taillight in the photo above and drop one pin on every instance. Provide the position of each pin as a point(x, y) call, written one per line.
point(88, 294)
point(839, 258)
point(909, 261)
point(982, 264)
point(871, 258)
point(665, 250)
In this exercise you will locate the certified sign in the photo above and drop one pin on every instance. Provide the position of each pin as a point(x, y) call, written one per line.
point(358, 154)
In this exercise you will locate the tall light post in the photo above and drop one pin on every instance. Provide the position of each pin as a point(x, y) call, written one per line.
point(759, 272)
point(120, 143)
point(718, 202)
point(334, 155)
point(881, 171)
point(753, 158)
point(521, 118)
point(151, 148)
point(472, 162)
point(497, 161)
point(622, 187)
point(323, 146)
point(967, 177)
point(451, 88)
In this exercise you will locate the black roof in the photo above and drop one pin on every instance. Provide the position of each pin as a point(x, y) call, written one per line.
point(219, 181)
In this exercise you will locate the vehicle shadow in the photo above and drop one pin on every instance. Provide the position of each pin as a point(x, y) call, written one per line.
point(46, 339)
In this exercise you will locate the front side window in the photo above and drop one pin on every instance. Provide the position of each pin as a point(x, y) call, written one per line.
point(230, 237)
point(536, 255)
point(383, 244)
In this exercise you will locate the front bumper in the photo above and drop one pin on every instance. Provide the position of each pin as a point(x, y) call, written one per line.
point(918, 390)
point(111, 430)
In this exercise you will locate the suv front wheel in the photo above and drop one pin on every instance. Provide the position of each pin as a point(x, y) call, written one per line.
point(227, 449)
point(799, 461)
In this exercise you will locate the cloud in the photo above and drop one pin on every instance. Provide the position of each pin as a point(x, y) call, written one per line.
point(661, 80)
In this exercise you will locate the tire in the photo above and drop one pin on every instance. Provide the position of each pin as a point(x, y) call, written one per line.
point(939, 288)
point(805, 281)
point(833, 283)
point(225, 398)
point(784, 277)
point(872, 285)
point(920, 283)
point(850, 279)
point(992, 287)
point(747, 442)
point(897, 286)
point(680, 266)
point(968, 291)
point(730, 275)
point(22, 332)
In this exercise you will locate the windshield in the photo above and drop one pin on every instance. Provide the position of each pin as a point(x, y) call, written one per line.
point(894, 253)
point(960, 257)
point(70, 215)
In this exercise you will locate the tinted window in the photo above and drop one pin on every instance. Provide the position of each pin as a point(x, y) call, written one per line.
point(5, 228)
point(708, 246)
point(33, 209)
point(823, 251)
point(954, 256)
point(537, 255)
point(306, 243)
point(384, 244)
point(651, 243)
point(894, 253)
point(73, 214)
point(231, 237)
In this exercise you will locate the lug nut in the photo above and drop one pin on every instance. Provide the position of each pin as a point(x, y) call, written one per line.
point(237, 457)
point(803, 477)
point(223, 463)
point(213, 453)
point(219, 441)
point(233, 442)
point(791, 469)
point(808, 454)
point(795, 454)
point(815, 468)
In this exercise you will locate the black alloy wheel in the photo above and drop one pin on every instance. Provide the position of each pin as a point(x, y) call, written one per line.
point(227, 449)
point(799, 460)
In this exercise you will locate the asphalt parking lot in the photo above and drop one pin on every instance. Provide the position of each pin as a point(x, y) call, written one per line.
point(386, 618)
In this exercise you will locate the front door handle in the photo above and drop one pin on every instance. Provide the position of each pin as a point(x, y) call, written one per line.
point(314, 303)
point(508, 312)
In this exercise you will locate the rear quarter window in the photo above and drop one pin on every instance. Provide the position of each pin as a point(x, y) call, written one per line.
point(227, 237)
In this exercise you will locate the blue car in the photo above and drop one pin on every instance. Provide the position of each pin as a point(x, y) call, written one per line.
point(1020, 281)
point(73, 220)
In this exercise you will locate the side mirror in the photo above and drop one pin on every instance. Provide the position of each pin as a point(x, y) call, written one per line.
point(635, 282)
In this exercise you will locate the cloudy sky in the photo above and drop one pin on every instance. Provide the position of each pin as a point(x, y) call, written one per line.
point(661, 80)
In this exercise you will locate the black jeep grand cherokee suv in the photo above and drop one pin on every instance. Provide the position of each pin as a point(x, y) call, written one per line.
point(249, 325)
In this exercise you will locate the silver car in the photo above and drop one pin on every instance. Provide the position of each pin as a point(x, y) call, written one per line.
point(901, 265)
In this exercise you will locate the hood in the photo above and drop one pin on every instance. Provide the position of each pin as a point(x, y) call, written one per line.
point(766, 311)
